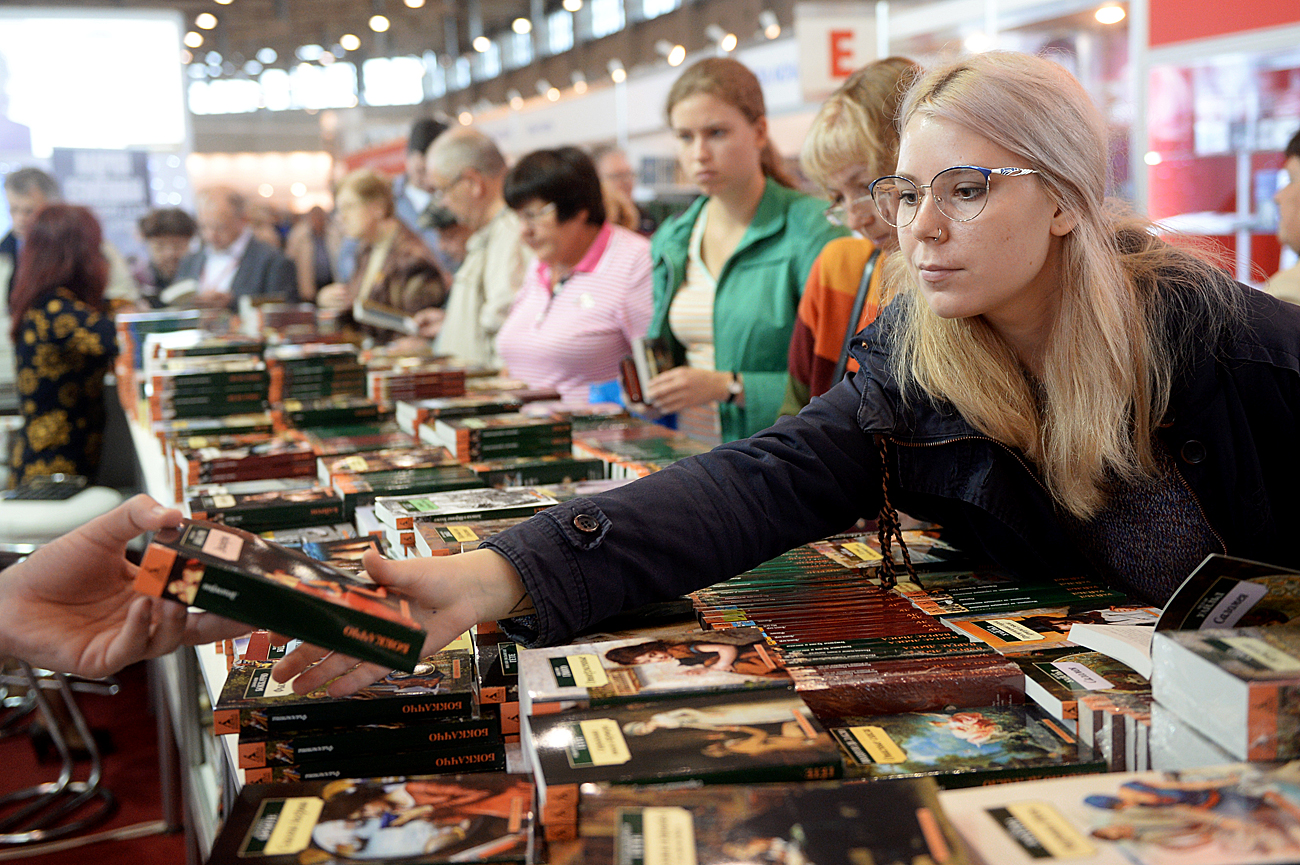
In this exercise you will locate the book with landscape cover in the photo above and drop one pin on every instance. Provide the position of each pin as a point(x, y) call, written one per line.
point(738, 737)
point(267, 511)
point(1236, 814)
point(242, 576)
point(484, 817)
point(900, 823)
point(252, 703)
point(1240, 687)
point(962, 747)
point(862, 549)
point(402, 512)
point(621, 671)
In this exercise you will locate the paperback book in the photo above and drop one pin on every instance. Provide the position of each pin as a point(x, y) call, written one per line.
point(1228, 815)
point(1028, 630)
point(445, 539)
point(480, 757)
point(411, 414)
point(267, 511)
point(242, 576)
point(402, 512)
point(962, 747)
point(253, 704)
point(473, 818)
point(900, 823)
point(740, 737)
point(1055, 679)
point(622, 671)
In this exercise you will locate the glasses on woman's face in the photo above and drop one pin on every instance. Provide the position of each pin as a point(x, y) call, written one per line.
point(838, 214)
point(960, 193)
point(536, 215)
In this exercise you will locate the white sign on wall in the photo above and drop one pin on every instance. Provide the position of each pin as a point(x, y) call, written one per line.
point(834, 40)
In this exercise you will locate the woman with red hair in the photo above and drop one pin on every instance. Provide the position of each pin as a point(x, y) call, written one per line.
point(63, 344)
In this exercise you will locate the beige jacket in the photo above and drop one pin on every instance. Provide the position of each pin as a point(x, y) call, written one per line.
point(1285, 285)
point(483, 289)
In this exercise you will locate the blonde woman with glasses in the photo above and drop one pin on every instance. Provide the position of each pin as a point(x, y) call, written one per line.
point(1063, 390)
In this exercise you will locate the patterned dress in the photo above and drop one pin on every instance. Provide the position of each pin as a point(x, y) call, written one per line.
point(63, 350)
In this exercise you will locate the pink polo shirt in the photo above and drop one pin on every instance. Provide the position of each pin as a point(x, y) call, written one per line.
point(577, 336)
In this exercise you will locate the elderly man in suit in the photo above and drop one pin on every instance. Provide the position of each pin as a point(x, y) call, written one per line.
point(232, 263)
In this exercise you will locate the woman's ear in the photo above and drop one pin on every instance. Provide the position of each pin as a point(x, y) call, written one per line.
point(1063, 222)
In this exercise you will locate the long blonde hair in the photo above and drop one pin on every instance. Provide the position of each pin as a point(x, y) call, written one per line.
point(732, 82)
point(1110, 358)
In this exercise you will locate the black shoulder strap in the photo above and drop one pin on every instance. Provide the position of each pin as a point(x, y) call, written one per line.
point(858, 302)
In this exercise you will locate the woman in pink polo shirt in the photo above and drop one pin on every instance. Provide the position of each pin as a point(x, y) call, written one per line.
point(588, 294)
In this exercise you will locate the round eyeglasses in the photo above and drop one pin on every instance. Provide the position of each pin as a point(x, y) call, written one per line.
point(838, 214)
point(960, 193)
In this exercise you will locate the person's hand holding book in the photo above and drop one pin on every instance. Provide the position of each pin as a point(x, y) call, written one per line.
point(453, 593)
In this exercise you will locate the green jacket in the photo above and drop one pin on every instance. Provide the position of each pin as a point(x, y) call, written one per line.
point(757, 299)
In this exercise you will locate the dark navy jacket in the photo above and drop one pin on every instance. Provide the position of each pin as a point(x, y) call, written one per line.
point(1233, 428)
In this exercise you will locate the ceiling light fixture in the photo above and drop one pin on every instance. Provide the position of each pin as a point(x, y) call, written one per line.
point(350, 41)
point(616, 70)
point(482, 44)
point(205, 21)
point(379, 23)
point(193, 39)
point(724, 40)
point(1110, 14)
point(572, 5)
point(522, 26)
point(771, 25)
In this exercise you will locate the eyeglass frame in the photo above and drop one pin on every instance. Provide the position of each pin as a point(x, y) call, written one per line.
point(436, 196)
point(535, 216)
point(837, 214)
point(938, 202)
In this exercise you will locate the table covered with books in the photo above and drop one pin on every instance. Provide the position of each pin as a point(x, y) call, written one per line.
point(797, 713)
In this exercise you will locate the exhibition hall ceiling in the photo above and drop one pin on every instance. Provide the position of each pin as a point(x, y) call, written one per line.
point(245, 27)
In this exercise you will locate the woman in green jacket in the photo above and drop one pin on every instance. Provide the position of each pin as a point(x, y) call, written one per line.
point(729, 271)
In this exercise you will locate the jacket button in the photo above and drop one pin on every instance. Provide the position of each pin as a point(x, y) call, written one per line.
point(586, 523)
point(1193, 452)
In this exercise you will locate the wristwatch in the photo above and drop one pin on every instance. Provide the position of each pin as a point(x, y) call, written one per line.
point(735, 388)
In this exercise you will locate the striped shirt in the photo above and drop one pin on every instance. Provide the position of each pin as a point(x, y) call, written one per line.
point(576, 337)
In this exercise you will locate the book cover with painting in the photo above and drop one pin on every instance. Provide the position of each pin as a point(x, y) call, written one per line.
point(356, 740)
point(444, 818)
point(1226, 815)
point(962, 747)
point(1225, 592)
point(1027, 630)
point(825, 822)
point(738, 737)
point(242, 576)
point(1055, 678)
point(402, 512)
point(620, 671)
point(270, 510)
point(926, 547)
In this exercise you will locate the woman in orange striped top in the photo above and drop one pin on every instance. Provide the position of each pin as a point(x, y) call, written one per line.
point(853, 140)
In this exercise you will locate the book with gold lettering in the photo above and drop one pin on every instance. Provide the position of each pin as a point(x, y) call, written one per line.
point(962, 747)
point(826, 822)
point(244, 577)
point(485, 817)
point(1236, 814)
point(739, 737)
point(635, 669)
point(255, 705)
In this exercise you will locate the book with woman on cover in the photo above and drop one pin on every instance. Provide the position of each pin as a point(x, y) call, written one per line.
point(620, 671)
point(445, 818)
point(242, 576)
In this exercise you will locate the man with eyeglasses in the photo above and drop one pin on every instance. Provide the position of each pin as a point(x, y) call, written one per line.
point(465, 173)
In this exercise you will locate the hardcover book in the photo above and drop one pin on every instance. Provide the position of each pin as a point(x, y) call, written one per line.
point(900, 823)
point(252, 703)
point(244, 577)
point(741, 737)
point(1240, 687)
point(474, 818)
point(402, 512)
point(962, 747)
point(621, 671)
point(1227, 815)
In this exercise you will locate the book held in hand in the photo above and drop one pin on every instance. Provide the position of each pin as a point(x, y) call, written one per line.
point(242, 576)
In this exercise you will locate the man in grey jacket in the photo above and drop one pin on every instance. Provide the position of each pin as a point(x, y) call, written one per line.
point(232, 263)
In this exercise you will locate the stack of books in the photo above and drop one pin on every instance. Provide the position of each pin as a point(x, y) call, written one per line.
point(497, 436)
point(410, 414)
point(400, 514)
point(327, 411)
point(636, 450)
point(313, 371)
point(270, 510)
point(207, 386)
point(414, 383)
